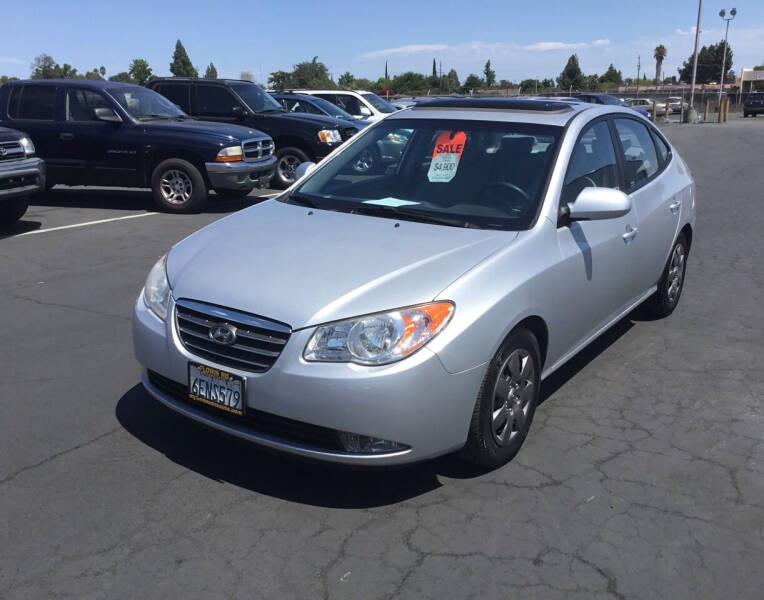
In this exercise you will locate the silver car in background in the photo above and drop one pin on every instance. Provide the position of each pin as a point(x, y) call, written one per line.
point(414, 310)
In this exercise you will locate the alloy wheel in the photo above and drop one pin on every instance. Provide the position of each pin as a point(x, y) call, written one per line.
point(287, 166)
point(675, 274)
point(176, 186)
point(512, 396)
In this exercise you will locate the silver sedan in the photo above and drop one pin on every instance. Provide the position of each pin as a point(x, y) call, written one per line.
point(415, 310)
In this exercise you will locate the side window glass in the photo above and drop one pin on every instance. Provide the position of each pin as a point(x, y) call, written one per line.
point(177, 94)
point(215, 101)
point(307, 108)
point(32, 102)
point(352, 105)
point(81, 103)
point(640, 159)
point(592, 163)
point(663, 149)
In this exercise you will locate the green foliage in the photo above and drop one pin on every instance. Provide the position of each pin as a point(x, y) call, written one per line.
point(309, 74)
point(490, 74)
point(547, 83)
point(44, 67)
point(529, 85)
point(473, 82)
point(181, 65)
point(709, 64)
point(434, 69)
point(361, 83)
point(612, 77)
point(571, 76)
point(211, 72)
point(659, 54)
point(451, 81)
point(5, 79)
point(123, 77)
point(346, 80)
point(140, 71)
point(409, 83)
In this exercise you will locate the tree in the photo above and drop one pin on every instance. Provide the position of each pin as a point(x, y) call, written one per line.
point(452, 81)
point(409, 83)
point(279, 79)
point(490, 74)
point(140, 71)
point(547, 83)
point(571, 76)
point(472, 82)
point(528, 85)
point(181, 65)
point(5, 79)
point(123, 76)
point(659, 54)
point(591, 83)
point(434, 69)
point(709, 64)
point(612, 76)
point(361, 83)
point(67, 71)
point(346, 80)
point(386, 76)
point(309, 74)
point(44, 67)
point(211, 72)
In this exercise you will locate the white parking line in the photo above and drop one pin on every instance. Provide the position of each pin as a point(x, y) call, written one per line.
point(36, 231)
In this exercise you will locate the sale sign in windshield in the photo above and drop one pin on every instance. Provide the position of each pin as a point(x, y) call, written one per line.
point(446, 155)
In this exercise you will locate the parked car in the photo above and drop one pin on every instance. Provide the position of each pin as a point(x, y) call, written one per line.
point(365, 105)
point(609, 100)
point(392, 318)
point(22, 174)
point(115, 134)
point(676, 104)
point(753, 105)
point(299, 137)
point(304, 103)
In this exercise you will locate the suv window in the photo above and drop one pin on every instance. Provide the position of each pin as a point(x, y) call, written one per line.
point(32, 102)
point(177, 94)
point(640, 158)
point(346, 102)
point(592, 163)
point(80, 104)
point(298, 106)
point(215, 101)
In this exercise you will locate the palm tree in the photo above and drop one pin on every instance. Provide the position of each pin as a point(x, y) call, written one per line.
point(659, 54)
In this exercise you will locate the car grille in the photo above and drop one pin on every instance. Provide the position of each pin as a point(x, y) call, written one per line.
point(11, 151)
point(258, 341)
point(347, 132)
point(256, 150)
point(259, 422)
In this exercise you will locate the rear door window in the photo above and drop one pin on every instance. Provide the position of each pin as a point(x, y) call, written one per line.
point(639, 155)
point(215, 101)
point(177, 94)
point(32, 102)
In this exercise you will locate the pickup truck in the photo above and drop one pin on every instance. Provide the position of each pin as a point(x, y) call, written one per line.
point(21, 174)
point(299, 137)
point(115, 134)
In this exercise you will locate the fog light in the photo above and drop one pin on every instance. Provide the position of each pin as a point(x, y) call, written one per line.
point(363, 444)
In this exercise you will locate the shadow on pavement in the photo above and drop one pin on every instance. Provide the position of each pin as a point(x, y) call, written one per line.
point(22, 226)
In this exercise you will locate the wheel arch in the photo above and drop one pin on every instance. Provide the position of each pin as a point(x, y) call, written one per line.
point(538, 327)
point(165, 154)
point(292, 141)
point(687, 231)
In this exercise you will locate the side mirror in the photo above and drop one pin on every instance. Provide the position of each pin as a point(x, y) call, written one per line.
point(595, 203)
point(365, 112)
point(303, 169)
point(240, 113)
point(106, 114)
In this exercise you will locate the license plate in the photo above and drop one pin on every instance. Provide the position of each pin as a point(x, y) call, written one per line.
point(215, 387)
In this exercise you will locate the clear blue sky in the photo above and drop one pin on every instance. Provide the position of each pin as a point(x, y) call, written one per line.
point(522, 39)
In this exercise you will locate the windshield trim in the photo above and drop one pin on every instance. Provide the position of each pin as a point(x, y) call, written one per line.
point(235, 87)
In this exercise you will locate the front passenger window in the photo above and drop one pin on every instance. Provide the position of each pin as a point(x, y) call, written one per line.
point(640, 158)
point(80, 104)
point(592, 163)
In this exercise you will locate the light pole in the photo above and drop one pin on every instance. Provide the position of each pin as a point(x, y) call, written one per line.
point(692, 112)
point(722, 14)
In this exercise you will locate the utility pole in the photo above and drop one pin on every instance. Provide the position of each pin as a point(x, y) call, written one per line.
point(695, 61)
point(639, 66)
point(722, 14)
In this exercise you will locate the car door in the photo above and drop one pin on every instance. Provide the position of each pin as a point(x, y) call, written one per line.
point(32, 109)
point(655, 200)
point(596, 256)
point(216, 103)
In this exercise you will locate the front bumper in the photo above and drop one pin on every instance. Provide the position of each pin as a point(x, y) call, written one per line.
point(241, 175)
point(414, 402)
point(21, 177)
point(753, 110)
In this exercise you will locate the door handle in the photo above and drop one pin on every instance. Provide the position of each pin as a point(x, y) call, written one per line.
point(675, 206)
point(631, 233)
point(66, 136)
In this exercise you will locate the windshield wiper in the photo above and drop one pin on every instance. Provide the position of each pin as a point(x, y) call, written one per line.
point(153, 116)
point(412, 215)
point(302, 200)
point(270, 110)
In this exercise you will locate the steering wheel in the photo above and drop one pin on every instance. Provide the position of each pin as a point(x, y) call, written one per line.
point(589, 181)
point(514, 207)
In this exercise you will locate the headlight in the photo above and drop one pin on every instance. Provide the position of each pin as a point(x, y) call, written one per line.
point(230, 154)
point(381, 338)
point(329, 136)
point(156, 292)
point(28, 146)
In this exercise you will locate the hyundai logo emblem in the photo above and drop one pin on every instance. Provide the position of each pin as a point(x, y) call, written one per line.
point(3, 151)
point(223, 333)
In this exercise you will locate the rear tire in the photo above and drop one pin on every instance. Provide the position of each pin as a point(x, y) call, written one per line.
point(178, 186)
point(666, 298)
point(12, 210)
point(288, 160)
point(506, 402)
point(233, 194)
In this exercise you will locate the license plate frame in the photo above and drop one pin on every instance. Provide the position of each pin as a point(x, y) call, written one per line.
point(219, 381)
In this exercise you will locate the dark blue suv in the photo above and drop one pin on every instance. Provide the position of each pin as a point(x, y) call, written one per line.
point(115, 134)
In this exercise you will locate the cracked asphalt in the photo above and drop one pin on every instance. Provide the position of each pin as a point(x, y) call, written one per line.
point(643, 476)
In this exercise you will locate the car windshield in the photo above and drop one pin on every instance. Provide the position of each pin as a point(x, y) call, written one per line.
point(378, 103)
point(461, 173)
point(256, 98)
point(331, 109)
point(611, 100)
point(143, 103)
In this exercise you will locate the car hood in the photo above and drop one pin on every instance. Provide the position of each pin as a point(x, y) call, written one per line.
point(305, 267)
point(319, 121)
point(219, 130)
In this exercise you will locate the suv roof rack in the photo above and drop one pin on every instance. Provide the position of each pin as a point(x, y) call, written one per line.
point(497, 103)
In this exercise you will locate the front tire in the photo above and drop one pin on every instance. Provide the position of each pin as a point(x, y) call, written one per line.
point(506, 403)
point(665, 300)
point(178, 186)
point(288, 160)
point(12, 210)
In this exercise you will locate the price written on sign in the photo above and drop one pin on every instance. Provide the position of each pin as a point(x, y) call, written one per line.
point(446, 156)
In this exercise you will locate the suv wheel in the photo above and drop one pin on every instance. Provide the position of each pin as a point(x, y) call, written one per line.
point(178, 186)
point(506, 403)
point(12, 210)
point(288, 160)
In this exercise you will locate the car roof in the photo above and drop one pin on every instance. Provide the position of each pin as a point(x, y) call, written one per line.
point(303, 90)
point(94, 84)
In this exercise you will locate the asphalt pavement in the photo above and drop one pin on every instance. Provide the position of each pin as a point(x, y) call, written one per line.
point(643, 475)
